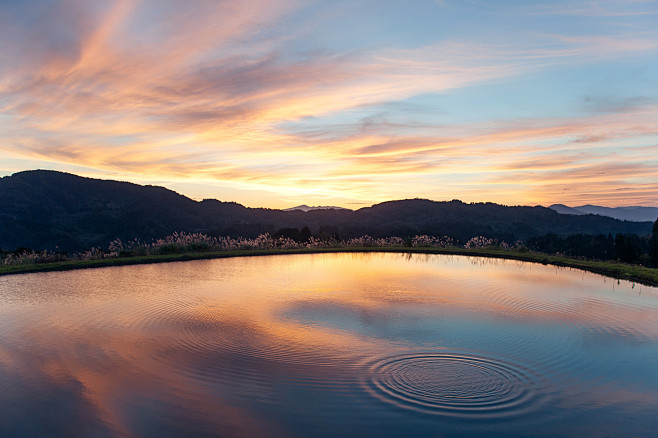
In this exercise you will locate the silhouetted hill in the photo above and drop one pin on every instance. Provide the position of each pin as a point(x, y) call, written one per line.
point(636, 214)
point(463, 221)
point(47, 209)
point(305, 207)
point(564, 209)
point(44, 209)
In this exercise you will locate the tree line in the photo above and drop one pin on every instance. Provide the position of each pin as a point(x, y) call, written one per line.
point(624, 247)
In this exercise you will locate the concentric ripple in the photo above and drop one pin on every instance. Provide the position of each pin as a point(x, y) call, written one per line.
point(455, 385)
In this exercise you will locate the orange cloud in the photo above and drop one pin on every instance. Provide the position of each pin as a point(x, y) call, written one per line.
point(209, 94)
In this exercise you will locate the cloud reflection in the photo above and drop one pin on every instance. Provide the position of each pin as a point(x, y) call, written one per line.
point(270, 345)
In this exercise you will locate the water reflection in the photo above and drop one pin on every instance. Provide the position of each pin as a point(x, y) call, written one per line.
point(456, 385)
point(325, 345)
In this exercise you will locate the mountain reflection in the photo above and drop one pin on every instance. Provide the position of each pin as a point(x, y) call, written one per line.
point(346, 344)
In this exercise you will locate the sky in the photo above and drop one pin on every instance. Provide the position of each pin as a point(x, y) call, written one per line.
point(347, 103)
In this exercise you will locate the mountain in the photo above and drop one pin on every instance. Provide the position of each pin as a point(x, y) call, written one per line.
point(636, 214)
point(563, 209)
point(43, 209)
point(307, 208)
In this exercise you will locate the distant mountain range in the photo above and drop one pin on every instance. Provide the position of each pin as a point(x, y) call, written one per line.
point(43, 209)
point(636, 214)
point(307, 208)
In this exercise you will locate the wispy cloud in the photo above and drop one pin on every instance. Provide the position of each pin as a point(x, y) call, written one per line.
point(227, 92)
point(596, 8)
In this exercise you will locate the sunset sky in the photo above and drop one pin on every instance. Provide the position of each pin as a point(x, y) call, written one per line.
point(349, 103)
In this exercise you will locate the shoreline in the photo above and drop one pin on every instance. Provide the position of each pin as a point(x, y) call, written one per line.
point(619, 271)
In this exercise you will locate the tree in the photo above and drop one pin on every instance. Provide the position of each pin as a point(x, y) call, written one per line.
point(305, 235)
point(653, 245)
point(288, 233)
point(627, 247)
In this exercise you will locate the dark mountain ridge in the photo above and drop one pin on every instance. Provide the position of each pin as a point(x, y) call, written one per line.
point(305, 207)
point(633, 213)
point(44, 209)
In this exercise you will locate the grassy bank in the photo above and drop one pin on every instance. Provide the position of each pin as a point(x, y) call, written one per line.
point(635, 273)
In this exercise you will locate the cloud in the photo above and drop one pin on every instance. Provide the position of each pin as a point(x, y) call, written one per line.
point(615, 104)
point(224, 91)
point(597, 8)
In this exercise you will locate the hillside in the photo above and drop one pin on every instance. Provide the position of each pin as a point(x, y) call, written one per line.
point(305, 207)
point(48, 209)
point(636, 214)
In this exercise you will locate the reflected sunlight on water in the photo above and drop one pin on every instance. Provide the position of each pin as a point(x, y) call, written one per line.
point(328, 344)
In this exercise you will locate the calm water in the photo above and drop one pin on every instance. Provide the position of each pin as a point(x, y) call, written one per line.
point(328, 345)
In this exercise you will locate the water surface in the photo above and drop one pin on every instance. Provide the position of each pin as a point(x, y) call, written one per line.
point(328, 345)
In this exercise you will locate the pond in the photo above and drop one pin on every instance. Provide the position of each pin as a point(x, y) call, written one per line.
point(372, 344)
